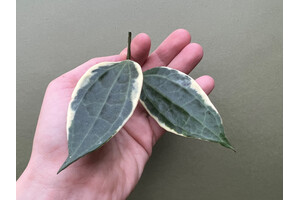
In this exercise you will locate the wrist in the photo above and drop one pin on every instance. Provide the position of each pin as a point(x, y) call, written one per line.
point(32, 186)
point(28, 187)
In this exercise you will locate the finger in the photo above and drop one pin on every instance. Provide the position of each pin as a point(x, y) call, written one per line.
point(207, 83)
point(140, 47)
point(188, 58)
point(168, 49)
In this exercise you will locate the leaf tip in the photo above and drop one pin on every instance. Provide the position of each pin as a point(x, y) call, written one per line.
point(60, 169)
point(228, 145)
point(64, 166)
point(231, 147)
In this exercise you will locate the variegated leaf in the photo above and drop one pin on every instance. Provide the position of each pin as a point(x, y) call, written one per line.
point(180, 106)
point(102, 102)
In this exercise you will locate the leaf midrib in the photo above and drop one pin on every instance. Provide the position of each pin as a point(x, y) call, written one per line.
point(92, 84)
point(114, 82)
point(180, 107)
point(129, 80)
point(186, 89)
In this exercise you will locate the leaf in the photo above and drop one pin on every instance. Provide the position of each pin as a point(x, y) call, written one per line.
point(180, 106)
point(102, 102)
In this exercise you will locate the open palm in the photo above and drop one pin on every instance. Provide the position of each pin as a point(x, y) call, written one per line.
point(112, 171)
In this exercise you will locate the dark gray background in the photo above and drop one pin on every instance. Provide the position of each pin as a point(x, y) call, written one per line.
point(242, 42)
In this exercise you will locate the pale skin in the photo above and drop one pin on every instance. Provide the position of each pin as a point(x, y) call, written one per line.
point(112, 171)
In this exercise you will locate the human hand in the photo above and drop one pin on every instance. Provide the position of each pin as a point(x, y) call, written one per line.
point(112, 171)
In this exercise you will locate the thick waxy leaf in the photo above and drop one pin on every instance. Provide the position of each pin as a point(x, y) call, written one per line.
point(180, 106)
point(102, 101)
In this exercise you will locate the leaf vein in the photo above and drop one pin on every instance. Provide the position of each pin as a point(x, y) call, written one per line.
point(181, 109)
point(113, 84)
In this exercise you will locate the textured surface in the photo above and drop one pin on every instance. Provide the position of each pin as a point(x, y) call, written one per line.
point(180, 106)
point(102, 102)
point(242, 43)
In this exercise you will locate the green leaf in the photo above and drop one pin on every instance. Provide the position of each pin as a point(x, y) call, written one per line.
point(102, 102)
point(180, 106)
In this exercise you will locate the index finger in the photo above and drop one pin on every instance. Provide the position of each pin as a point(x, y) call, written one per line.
point(168, 49)
point(140, 47)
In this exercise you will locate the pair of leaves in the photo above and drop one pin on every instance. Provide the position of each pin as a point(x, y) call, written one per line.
point(107, 94)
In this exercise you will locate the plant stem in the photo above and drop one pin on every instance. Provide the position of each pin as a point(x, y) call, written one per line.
point(128, 47)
